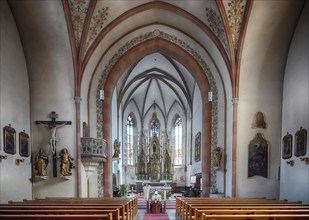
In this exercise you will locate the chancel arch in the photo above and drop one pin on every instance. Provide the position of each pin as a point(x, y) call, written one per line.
point(169, 49)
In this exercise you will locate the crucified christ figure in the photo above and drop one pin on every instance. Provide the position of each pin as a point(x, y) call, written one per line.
point(52, 137)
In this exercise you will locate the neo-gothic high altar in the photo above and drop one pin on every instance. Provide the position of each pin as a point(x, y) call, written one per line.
point(154, 160)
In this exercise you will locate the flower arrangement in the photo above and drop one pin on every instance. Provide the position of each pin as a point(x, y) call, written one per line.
point(123, 190)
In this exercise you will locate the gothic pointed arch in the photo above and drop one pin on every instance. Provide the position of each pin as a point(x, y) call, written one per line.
point(192, 61)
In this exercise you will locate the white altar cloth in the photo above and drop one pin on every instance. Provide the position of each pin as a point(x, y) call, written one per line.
point(149, 190)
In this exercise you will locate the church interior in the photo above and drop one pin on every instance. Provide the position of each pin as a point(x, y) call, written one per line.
point(109, 98)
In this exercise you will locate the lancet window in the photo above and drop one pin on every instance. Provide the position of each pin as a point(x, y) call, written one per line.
point(178, 141)
point(130, 139)
point(154, 127)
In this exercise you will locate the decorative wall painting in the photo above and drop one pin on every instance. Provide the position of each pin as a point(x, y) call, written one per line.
point(287, 146)
point(258, 157)
point(300, 148)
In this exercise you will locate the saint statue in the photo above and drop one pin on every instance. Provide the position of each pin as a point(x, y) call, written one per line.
point(66, 162)
point(217, 157)
point(116, 148)
point(41, 162)
point(167, 161)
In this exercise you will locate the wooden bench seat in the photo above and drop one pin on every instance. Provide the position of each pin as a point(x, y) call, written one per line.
point(257, 217)
point(189, 208)
point(114, 212)
point(193, 208)
point(119, 208)
point(186, 207)
point(58, 217)
point(130, 203)
point(199, 213)
point(183, 203)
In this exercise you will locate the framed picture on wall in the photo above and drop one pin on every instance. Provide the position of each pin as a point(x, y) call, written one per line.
point(198, 147)
point(287, 146)
point(23, 144)
point(300, 148)
point(9, 137)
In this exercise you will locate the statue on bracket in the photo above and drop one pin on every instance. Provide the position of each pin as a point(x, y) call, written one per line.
point(41, 162)
point(167, 163)
point(66, 164)
point(116, 148)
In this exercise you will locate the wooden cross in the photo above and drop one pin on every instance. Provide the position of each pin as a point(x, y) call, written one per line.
point(53, 125)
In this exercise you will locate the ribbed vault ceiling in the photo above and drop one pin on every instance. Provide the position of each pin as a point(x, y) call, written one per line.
point(156, 79)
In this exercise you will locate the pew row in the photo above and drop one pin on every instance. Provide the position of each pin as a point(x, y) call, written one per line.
point(186, 207)
point(257, 217)
point(58, 217)
point(119, 208)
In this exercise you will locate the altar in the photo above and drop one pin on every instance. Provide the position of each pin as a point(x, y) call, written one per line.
point(150, 190)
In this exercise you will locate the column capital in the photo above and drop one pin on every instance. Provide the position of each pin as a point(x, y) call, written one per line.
point(77, 99)
point(235, 101)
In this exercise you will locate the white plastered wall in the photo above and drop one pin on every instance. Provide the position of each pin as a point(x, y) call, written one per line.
point(260, 89)
point(51, 77)
point(295, 111)
point(14, 109)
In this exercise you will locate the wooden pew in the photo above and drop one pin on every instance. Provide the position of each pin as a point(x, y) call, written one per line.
point(64, 211)
point(182, 203)
point(192, 208)
point(257, 217)
point(117, 210)
point(131, 208)
point(185, 206)
point(285, 208)
point(127, 206)
point(58, 217)
point(199, 213)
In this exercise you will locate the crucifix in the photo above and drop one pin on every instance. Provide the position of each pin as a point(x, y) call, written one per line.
point(53, 125)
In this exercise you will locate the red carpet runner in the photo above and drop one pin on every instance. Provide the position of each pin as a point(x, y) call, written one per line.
point(161, 216)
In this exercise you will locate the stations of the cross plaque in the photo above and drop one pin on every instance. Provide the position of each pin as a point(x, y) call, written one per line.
point(53, 125)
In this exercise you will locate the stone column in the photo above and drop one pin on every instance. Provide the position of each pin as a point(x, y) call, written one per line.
point(78, 145)
point(234, 147)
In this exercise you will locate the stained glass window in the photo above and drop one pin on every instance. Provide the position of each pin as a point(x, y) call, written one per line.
point(178, 141)
point(154, 127)
point(130, 126)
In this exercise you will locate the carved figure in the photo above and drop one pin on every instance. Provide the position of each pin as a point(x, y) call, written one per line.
point(154, 169)
point(41, 162)
point(52, 137)
point(217, 157)
point(66, 162)
point(167, 161)
point(116, 148)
